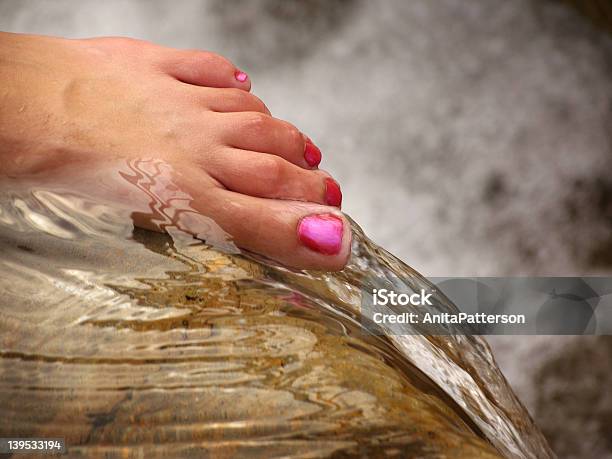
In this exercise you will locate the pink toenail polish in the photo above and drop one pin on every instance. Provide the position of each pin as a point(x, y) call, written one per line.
point(312, 154)
point(333, 195)
point(241, 76)
point(321, 233)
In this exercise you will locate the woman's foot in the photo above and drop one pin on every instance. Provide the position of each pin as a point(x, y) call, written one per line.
point(87, 101)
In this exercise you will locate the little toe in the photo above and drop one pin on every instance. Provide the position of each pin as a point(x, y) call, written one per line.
point(202, 68)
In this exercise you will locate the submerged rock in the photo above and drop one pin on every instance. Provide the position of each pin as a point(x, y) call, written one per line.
point(128, 343)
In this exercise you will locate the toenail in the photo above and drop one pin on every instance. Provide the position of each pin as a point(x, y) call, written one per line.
point(312, 154)
point(333, 195)
point(321, 233)
point(241, 76)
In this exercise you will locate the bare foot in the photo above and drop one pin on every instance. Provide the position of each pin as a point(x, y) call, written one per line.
point(87, 101)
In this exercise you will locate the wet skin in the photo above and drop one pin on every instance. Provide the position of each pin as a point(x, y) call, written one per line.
point(88, 102)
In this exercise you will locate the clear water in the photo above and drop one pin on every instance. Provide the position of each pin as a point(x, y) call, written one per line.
point(132, 343)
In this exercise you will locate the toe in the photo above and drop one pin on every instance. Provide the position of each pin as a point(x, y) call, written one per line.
point(299, 235)
point(269, 176)
point(265, 134)
point(203, 68)
point(228, 100)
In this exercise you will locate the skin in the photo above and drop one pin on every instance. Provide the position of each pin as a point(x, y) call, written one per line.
point(89, 102)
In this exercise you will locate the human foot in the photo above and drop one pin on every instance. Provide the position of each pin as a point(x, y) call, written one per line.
point(89, 101)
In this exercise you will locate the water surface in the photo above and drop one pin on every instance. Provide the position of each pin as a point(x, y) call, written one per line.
point(133, 343)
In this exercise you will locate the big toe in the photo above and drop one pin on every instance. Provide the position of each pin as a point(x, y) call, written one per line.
point(297, 234)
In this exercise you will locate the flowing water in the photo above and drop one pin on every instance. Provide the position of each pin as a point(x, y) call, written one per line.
point(132, 343)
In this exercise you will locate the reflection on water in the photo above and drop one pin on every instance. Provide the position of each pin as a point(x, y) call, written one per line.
point(133, 343)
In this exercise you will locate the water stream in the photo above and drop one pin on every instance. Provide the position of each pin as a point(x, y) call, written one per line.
point(133, 343)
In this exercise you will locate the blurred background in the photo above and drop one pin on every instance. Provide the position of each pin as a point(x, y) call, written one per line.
point(469, 137)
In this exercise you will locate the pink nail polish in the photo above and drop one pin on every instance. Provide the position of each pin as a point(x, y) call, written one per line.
point(333, 195)
point(321, 233)
point(312, 154)
point(241, 76)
